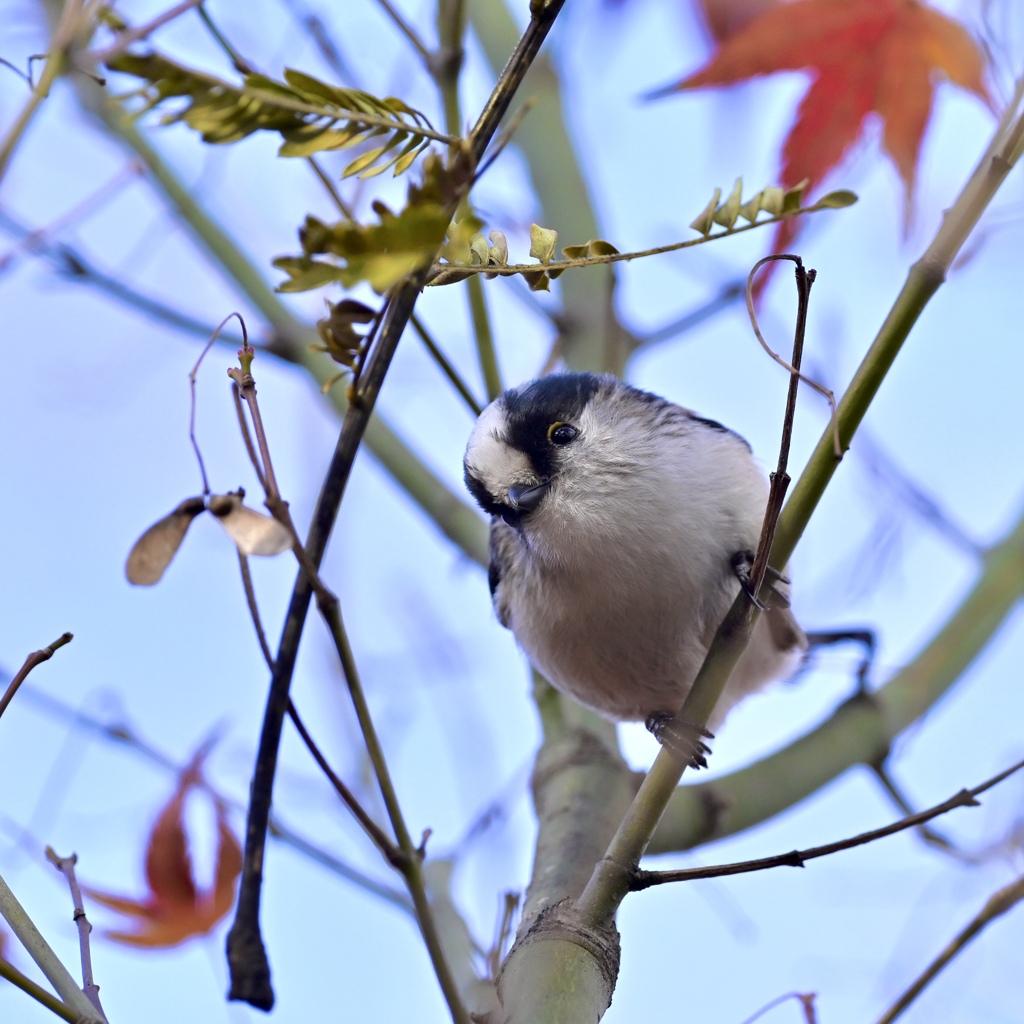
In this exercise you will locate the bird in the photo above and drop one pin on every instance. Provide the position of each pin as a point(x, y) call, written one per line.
point(621, 528)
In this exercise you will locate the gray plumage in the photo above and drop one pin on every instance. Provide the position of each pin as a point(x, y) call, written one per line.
point(615, 517)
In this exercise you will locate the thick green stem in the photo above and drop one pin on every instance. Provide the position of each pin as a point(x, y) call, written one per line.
point(48, 962)
point(611, 878)
point(11, 973)
point(861, 729)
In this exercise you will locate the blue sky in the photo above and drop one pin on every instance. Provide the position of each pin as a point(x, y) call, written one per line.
point(94, 420)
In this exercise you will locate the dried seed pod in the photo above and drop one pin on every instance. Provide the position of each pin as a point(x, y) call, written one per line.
point(253, 532)
point(153, 551)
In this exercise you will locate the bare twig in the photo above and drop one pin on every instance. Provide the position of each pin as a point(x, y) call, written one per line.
point(192, 391)
point(780, 478)
point(391, 852)
point(446, 366)
point(793, 369)
point(72, 264)
point(109, 189)
point(250, 970)
point(806, 1000)
point(997, 904)
point(372, 829)
point(66, 866)
point(67, 29)
point(613, 875)
point(254, 611)
point(35, 658)
point(121, 732)
point(797, 858)
point(727, 295)
point(929, 835)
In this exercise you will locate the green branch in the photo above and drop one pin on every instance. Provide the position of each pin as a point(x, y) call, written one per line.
point(859, 731)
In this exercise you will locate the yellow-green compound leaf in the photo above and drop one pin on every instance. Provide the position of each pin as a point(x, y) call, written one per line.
point(752, 207)
point(705, 221)
point(497, 254)
point(727, 213)
point(478, 249)
point(793, 198)
point(365, 162)
point(303, 109)
point(771, 200)
point(304, 274)
point(595, 247)
point(310, 139)
point(542, 244)
point(538, 281)
point(835, 200)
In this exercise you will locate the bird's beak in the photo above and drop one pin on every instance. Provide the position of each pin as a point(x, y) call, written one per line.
point(526, 499)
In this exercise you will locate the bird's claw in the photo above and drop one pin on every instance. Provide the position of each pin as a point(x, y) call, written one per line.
point(681, 737)
point(742, 563)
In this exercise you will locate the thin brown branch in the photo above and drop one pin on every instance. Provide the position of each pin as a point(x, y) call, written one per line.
point(369, 826)
point(806, 1000)
point(192, 391)
point(254, 610)
point(820, 388)
point(34, 659)
point(247, 958)
point(797, 858)
point(66, 866)
point(614, 874)
point(780, 478)
point(997, 904)
point(930, 836)
point(383, 843)
point(121, 732)
point(446, 366)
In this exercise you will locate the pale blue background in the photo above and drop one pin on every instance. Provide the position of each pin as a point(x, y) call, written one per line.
point(93, 421)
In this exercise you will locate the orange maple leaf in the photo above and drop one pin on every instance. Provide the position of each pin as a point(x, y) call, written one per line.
point(175, 909)
point(866, 57)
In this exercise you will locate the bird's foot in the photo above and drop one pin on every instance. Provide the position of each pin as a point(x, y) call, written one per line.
point(683, 738)
point(742, 563)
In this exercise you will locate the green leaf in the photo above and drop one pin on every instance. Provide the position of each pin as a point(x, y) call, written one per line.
point(305, 275)
point(793, 198)
point(727, 213)
point(705, 220)
point(835, 200)
point(542, 243)
point(771, 200)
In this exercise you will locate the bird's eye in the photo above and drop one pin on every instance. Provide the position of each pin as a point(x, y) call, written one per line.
point(561, 433)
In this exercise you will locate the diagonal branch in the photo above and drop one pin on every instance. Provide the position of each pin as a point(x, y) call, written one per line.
point(998, 903)
point(34, 659)
point(250, 971)
point(797, 858)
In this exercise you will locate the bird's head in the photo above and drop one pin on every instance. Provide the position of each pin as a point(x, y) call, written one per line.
point(532, 442)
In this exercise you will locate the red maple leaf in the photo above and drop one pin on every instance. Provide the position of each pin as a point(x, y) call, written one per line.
point(175, 908)
point(879, 57)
